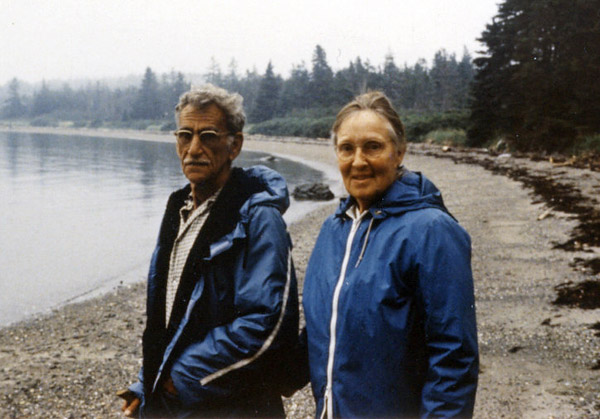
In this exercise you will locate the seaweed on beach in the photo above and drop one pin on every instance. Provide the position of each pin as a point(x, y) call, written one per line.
point(585, 295)
point(559, 196)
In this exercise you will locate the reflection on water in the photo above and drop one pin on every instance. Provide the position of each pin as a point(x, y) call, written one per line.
point(77, 213)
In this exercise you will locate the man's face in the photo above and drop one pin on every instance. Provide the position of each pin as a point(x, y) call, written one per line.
point(204, 148)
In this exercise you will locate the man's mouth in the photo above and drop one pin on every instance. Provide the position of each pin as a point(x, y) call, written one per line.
point(196, 163)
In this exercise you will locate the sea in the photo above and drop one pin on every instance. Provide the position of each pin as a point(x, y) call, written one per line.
point(79, 216)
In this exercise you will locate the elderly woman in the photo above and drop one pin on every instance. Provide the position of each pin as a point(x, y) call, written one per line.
point(388, 293)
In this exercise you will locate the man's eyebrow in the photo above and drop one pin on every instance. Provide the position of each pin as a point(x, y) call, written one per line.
point(200, 130)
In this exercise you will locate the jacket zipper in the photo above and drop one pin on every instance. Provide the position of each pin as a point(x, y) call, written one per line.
point(328, 399)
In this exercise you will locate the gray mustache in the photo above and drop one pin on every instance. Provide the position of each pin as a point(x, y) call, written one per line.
point(196, 162)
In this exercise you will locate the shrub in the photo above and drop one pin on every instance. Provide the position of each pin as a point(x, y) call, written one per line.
point(44, 121)
point(417, 126)
point(294, 127)
point(168, 126)
point(447, 136)
point(589, 144)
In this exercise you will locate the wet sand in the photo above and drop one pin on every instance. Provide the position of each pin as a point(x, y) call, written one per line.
point(538, 359)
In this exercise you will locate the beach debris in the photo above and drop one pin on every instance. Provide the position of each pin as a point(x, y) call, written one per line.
point(562, 161)
point(545, 214)
point(585, 295)
point(313, 192)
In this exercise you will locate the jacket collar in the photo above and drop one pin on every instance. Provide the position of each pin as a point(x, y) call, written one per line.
point(410, 192)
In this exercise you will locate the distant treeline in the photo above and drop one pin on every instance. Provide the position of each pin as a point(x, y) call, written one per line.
point(535, 87)
point(302, 104)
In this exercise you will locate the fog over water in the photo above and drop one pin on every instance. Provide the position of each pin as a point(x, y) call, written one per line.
point(80, 214)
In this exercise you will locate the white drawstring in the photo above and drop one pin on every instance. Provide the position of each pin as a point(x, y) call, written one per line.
point(362, 252)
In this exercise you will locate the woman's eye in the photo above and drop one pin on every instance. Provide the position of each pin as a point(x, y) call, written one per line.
point(373, 145)
point(345, 148)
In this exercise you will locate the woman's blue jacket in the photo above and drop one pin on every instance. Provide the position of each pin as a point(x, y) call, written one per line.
point(396, 288)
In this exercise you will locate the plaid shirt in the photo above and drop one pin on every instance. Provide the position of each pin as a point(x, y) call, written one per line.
point(190, 224)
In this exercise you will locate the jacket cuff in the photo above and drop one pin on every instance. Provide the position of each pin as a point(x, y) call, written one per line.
point(138, 390)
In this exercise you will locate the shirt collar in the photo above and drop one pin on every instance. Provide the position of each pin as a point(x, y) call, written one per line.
point(188, 211)
point(354, 213)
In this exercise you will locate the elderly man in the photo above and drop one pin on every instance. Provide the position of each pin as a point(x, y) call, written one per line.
point(222, 308)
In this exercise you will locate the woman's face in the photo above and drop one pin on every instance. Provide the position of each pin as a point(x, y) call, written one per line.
point(368, 158)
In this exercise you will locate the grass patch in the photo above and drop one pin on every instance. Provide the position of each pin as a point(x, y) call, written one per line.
point(588, 145)
point(294, 127)
point(449, 136)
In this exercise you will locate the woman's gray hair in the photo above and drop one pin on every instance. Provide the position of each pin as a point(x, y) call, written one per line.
point(377, 102)
point(229, 103)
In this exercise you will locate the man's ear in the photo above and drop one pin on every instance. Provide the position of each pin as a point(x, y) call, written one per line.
point(236, 146)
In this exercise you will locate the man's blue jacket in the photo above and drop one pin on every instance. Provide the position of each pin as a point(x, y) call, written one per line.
point(389, 308)
point(235, 316)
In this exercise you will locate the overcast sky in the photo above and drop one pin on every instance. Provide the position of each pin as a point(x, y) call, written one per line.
point(66, 39)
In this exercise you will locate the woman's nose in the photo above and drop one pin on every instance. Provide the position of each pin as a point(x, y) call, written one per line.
point(359, 157)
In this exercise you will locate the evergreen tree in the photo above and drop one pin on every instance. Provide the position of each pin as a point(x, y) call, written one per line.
point(267, 97)
point(537, 84)
point(420, 87)
point(148, 102)
point(343, 85)
point(392, 79)
point(249, 86)
point(173, 86)
point(13, 106)
point(465, 77)
point(444, 79)
point(214, 75)
point(231, 81)
point(321, 79)
point(43, 101)
point(295, 90)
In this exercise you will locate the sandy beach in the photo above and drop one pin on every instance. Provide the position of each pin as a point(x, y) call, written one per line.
point(538, 359)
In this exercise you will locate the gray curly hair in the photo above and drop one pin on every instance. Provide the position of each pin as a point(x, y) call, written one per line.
point(229, 103)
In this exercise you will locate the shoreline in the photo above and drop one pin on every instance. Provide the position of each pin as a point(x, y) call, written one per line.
point(284, 147)
point(289, 148)
point(138, 273)
point(538, 359)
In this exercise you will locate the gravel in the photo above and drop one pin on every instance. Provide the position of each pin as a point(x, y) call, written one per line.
point(538, 359)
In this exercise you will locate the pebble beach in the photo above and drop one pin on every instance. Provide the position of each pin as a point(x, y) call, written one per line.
point(538, 359)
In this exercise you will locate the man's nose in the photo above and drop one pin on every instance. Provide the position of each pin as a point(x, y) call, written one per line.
point(196, 145)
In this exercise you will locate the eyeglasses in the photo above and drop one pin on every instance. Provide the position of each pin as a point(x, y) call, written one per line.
point(370, 149)
point(207, 137)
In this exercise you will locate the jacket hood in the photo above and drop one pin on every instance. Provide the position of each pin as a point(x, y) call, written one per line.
point(411, 191)
point(274, 188)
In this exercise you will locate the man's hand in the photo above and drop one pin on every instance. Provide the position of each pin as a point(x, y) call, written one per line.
point(169, 387)
point(130, 408)
point(131, 404)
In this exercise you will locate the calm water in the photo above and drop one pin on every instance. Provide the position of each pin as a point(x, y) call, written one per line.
point(81, 215)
